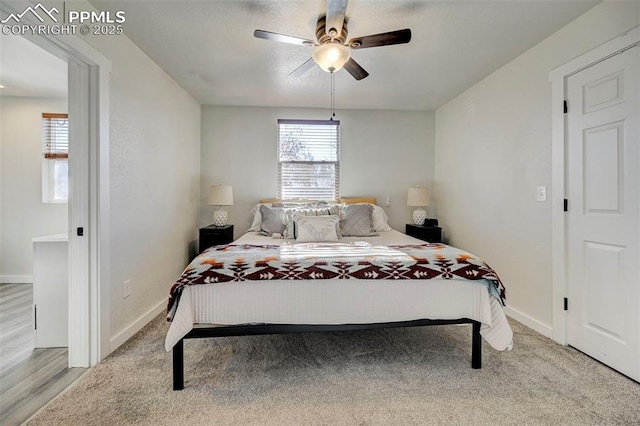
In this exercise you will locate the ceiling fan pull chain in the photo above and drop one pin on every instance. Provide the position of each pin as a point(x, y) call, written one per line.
point(333, 96)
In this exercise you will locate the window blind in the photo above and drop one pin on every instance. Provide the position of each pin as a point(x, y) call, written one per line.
point(309, 159)
point(55, 135)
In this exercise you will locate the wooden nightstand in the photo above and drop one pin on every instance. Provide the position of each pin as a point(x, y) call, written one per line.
point(215, 235)
point(431, 234)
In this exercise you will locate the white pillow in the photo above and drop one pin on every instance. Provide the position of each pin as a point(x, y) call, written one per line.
point(257, 219)
point(380, 219)
point(291, 214)
point(317, 228)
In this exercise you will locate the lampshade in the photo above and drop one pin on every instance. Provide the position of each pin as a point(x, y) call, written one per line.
point(331, 56)
point(418, 197)
point(221, 195)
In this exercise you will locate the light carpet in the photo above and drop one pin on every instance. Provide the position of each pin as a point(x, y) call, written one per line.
point(379, 377)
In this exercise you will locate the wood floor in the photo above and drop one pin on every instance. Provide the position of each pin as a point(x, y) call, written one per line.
point(28, 378)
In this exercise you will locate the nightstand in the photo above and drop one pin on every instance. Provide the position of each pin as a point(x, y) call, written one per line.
point(215, 235)
point(431, 234)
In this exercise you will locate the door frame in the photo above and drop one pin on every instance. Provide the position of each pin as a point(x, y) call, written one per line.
point(558, 78)
point(89, 259)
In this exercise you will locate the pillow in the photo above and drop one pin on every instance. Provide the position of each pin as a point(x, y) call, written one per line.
point(317, 228)
point(271, 222)
point(380, 219)
point(358, 221)
point(257, 216)
point(293, 213)
point(257, 219)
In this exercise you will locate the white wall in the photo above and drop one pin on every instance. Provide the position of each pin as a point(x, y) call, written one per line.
point(493, 147)
point(23, 214)
point(154, 182)
point(382, 154)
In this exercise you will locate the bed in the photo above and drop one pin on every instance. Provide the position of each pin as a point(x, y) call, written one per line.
point(264, 284)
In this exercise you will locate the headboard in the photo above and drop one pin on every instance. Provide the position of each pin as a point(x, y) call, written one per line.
point(358, 200)
point(344, 200)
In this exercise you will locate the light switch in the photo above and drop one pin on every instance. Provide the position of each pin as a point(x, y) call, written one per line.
point(541, 193)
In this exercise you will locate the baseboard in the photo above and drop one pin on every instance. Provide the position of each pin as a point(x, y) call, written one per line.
point(137, 325)
point(534, 324)
point(16, 279)
point(143, 320)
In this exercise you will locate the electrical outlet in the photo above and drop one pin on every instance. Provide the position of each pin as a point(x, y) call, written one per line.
point(541, 193)
point(126, 289)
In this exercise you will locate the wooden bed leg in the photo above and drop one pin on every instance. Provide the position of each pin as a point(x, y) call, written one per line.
point(476, 346)
point(178, 366)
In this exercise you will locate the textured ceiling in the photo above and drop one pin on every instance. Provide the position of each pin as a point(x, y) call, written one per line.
point(208, 47)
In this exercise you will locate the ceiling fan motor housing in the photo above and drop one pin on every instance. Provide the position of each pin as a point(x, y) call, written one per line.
point(323, 37)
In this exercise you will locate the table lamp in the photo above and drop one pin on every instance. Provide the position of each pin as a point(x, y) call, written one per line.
point(220, 195)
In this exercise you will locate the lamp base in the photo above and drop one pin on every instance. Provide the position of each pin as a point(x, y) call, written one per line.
point(220, 217)
point(419, 215)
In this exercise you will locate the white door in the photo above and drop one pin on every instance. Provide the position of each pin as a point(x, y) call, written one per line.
point(603, 218)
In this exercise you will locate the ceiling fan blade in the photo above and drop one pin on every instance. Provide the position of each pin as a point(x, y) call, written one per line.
point(268, 35)
point(355, 69)
point(335, 16)
point(302, 68)
point(383, 39)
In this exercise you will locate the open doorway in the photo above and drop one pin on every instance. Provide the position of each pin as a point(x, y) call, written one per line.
point(33, 199)
point(88, 206)
point(88, 105)
point(34, 225)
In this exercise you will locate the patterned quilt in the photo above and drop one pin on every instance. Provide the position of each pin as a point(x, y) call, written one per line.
point(313, 261)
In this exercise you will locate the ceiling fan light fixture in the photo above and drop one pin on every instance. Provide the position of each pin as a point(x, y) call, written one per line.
point(331, 57)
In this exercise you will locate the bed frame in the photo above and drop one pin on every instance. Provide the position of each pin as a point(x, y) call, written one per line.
point(250, 330)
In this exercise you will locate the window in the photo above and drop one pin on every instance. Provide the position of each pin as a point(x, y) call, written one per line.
point(55, 158)
point(309, 159)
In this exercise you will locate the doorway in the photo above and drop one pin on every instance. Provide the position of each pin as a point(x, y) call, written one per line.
point(596, 216)
point(89, 326)
point(603, 221)
point(33, 116)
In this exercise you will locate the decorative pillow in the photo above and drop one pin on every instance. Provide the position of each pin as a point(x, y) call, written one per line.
point(256, 223)
point(358, 221)
point(292, 213)
point(380, 219)
point(317, 228)
point(271, 220)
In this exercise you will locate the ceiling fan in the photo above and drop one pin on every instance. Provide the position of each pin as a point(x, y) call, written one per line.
point(331, 50)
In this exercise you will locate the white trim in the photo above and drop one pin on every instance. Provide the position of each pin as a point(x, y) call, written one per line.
point(530, 322)
point(595, 55)
point(558, 78)
point(16, 279)
point(99, 203)
point(128, 332)
point(79, 292)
